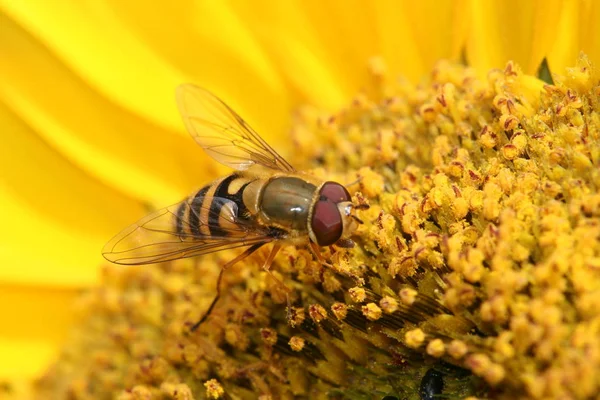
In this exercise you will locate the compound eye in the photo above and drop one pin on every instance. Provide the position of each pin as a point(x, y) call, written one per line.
point(335, 192)
point(327, 223)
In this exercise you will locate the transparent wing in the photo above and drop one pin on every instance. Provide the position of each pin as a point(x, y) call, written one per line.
point(222, 133)
point(184, 230)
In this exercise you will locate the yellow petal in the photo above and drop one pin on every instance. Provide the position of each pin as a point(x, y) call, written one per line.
point(56, 218)
point(407, 34)
point(121, 54)
point(208, 43)
point(296, 49)
point(120, 149)
point(526, 32)
point(346, 38)
point(562, 29)
point(92, 41)
point(34, 323)
point(590, 38)
point(499, 31)
point(438, 28)
point(398, 45)
point(414, 35)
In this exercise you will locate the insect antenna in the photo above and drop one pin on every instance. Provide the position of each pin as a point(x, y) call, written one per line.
point(360, 221)
point(245, 254)
point(354, 182)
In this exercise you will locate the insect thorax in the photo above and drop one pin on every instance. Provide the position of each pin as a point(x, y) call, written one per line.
point(285, 201)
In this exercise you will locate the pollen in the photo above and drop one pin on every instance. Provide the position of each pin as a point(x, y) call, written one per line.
point(269, 336)
point(480, 251)
point(317, 312)
point(408, 296)
point(357, 294)
point(478, 363)
point(371, 311)
point(414, 338)
point(457, 349)
point(340, 310)
point(178, 391)
point(436, 348)
point(388, 304)
point(296, 343)
point(214, 390)
point(371, 183)
point(297, 316)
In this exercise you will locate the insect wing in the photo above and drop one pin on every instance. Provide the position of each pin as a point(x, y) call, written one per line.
point(222, 133)
point(184, 230)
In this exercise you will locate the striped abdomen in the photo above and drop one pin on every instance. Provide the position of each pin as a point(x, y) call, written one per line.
point(280, 202)
point(205, 213)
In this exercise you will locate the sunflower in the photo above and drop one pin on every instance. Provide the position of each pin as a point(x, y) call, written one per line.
point(96, 140)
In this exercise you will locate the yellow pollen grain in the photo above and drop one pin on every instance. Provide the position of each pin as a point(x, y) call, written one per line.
point(296, 343)
point(436, 348)
point(388, 304)
point(408, 296)
point(298, 314)
point(457, 349)
point(357, 294)
point(460, 206)
point(455, 169)
point(387, 141)
point(478, 363)
point(510, 151)
point(520, 142)
point(268, 336)
point(214, 390)
point(488, 139)
point(177, 391)
point(494, 374)
point(494, 309)
point(317, 312)
point(427, 111)
point(340, 310)
point(509, 122)
point(371, 183)
point(371, 311)
point(414, 338)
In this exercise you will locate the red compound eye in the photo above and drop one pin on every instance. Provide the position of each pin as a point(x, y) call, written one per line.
point(334, 192)
point(326, 223)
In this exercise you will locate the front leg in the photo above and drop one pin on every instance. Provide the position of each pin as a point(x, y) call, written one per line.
point(267, 268)
point(316, 251)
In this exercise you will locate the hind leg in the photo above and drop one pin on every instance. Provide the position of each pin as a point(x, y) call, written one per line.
point(239, 258)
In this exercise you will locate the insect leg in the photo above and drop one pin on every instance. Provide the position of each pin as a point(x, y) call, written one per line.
point(266, 268)
point(267, 265)
point(317, 253)
point(239, 258)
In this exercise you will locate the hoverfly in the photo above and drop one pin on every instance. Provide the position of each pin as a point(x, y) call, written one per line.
point(264, 201)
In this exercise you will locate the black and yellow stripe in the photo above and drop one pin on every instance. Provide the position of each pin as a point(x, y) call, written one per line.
point(231, 188)
point(203, 210)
